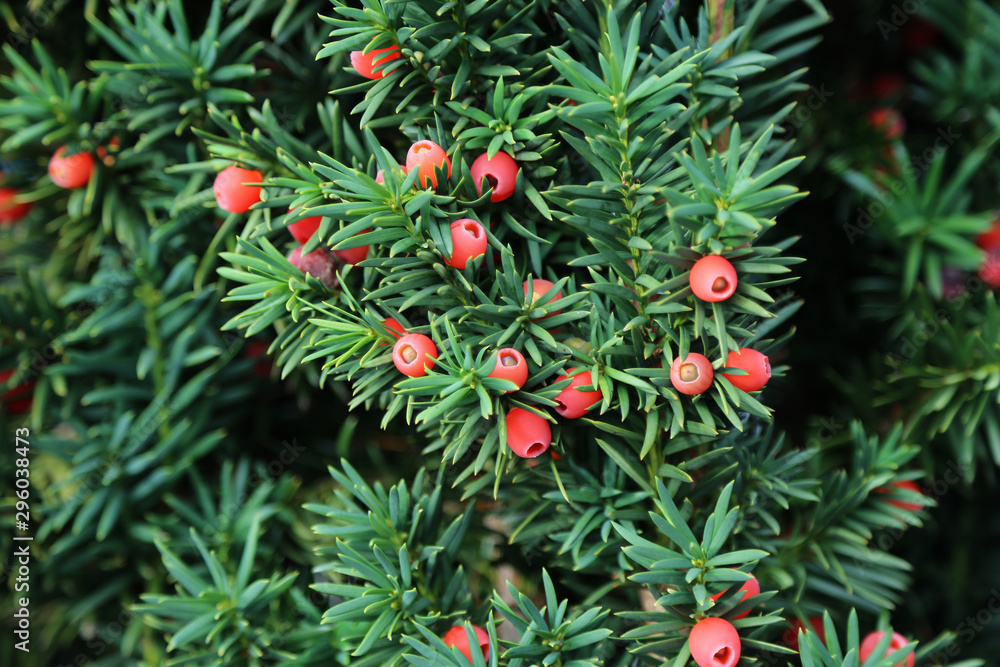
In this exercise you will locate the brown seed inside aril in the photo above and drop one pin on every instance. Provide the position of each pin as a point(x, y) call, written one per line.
point(688, 372)
point(722, 655)
point(720, 284)
point(421, 147)
point(492, 180)
point(408, 353)
point(473, 229)
point(508, 360)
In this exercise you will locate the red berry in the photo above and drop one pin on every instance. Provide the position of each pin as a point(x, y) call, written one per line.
point(391, 323)
point(897, 642)
point(456, 637)
point(989, 270)
point(230, 190)
point(511, 366)
point(902, 504)
point(750, 588)
point(990, 239)
point(886, 85)
point(575, 402)
point(12, 211)
point(791, 636)
point(354, 255)
point(714, 642)
point(539, 286)
point(367, 63)
point(71, 171)
point(257, 349)
point(16, 401)
point(691, 375)
point(888, 122)
point(528, 435)
point(468, 241)
point(414, 354)
point(320, 264)
point(426, 156)
point(500, 174)
point(754, 363)
point(918, 35)
point(395, 328)
point(303, 230)
point(713, 278)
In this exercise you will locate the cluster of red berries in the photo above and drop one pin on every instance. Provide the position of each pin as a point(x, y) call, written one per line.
point(693, 374)
point(528, 434)
point(713, 279)
point(868, 644)
point(235, 191)
point(498, 173)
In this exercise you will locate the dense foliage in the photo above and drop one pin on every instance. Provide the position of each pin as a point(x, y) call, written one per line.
point(236, 460)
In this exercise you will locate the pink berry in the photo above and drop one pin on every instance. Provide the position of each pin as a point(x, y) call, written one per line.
point(714, 642)
point(468, 241)
point(528, 435)
point(512, 366)
point(573, 401)
point(426, 156)
point(414, 354)
point(691, 375)
point(713, 278)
